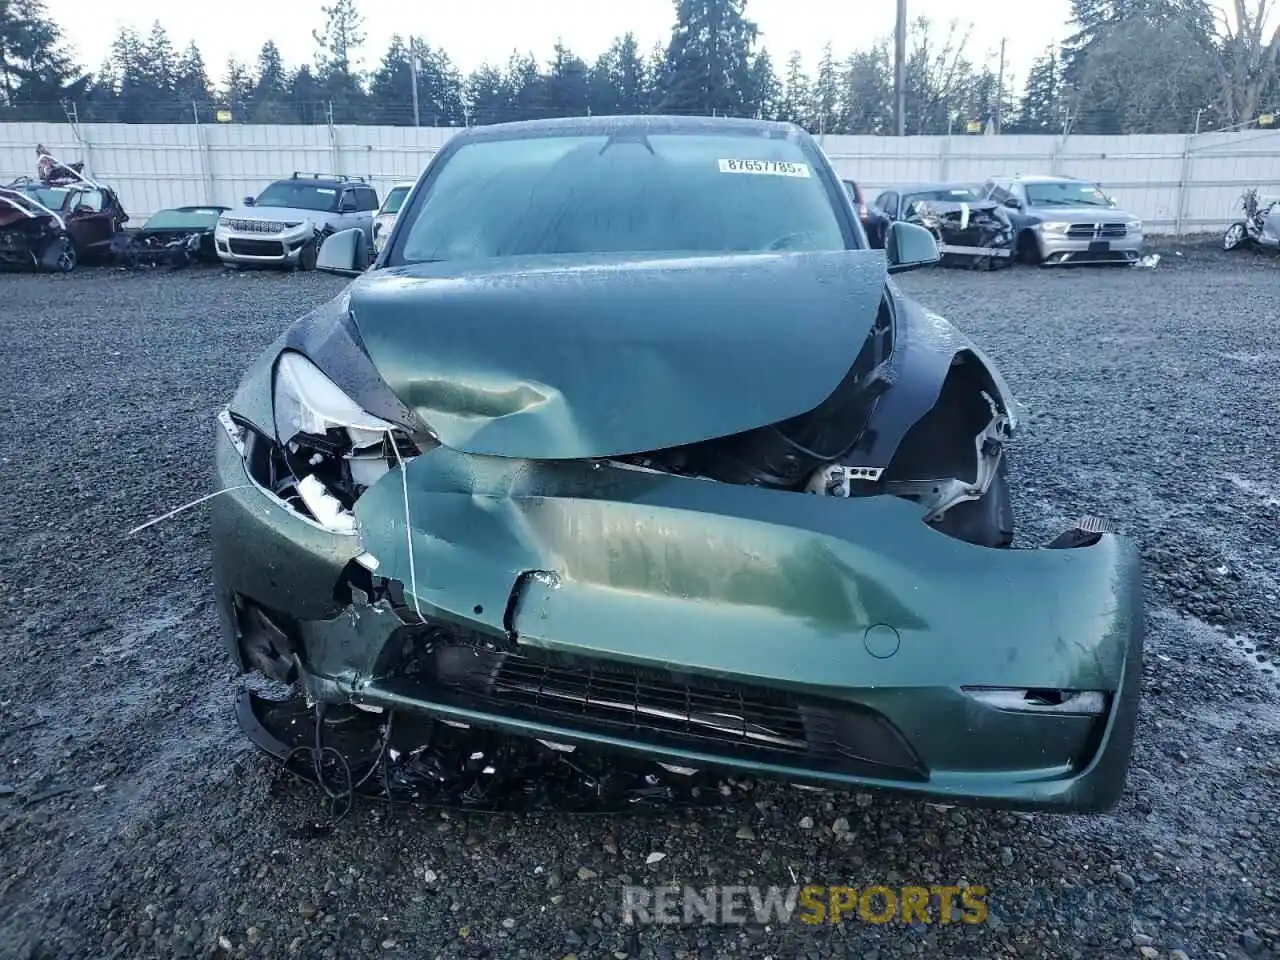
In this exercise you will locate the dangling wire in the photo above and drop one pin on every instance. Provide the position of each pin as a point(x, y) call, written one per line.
point(408, 526)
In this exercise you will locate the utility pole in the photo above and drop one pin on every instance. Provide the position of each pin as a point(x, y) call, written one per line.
point(1000, 88)
point(413, 72)
point(900, 67)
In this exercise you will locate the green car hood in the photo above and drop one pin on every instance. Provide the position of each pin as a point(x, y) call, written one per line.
point(559, 358)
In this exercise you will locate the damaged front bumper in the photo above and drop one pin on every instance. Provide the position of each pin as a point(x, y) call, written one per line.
point(702, 624)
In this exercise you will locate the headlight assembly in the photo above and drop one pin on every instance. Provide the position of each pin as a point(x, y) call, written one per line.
point(306, 401)
point(330, 450)
point(1054, 226)
point(1135, 226)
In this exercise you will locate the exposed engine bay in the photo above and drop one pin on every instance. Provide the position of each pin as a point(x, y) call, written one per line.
point(951, 456)
point(978, 235)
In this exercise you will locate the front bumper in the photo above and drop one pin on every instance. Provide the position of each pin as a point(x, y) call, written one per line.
point(851, 640)
point(1057, 249)
point(283, 249)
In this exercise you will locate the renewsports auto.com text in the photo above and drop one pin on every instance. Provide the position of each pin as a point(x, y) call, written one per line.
point(880, 904)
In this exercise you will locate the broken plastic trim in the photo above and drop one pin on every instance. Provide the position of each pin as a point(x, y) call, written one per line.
point(939, 496)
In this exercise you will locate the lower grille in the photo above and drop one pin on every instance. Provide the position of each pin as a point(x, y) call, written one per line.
point(440, 664)
point(256, 248)
point(629, 700)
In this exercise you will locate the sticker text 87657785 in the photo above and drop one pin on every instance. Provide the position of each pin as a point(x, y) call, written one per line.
point(775, 168)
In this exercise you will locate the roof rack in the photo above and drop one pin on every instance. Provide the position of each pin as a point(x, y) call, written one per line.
point(342, 177)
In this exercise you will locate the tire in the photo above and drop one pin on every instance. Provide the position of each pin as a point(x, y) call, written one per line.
point(307, 259)
point(1237, 235)
point(988, 521)
point(1028, 250)
point(67, 259)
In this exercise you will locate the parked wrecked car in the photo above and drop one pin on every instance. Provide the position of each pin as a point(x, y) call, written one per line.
point(1062, 220)
point(285, 224)
point(32, 236)
point(626, 439)
point(176, 237)
point(970, 232)
point(1260, 226)
point(85, 212)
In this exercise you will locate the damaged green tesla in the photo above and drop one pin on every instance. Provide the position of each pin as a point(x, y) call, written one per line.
point(627, 440)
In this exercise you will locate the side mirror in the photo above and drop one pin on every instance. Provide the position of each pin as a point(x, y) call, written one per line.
point(345, 253)
point(1013, 203)
point(249, 201)
point(1111, 200)
point(909, 246)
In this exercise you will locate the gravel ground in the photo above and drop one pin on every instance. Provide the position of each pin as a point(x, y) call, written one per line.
point(1151, 398)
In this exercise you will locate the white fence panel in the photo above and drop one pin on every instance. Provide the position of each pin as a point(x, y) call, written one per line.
point(1176, 183)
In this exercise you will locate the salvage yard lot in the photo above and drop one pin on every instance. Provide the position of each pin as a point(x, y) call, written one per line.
point(1151, 398)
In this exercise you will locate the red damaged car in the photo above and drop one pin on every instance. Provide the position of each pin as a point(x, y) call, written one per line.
point(59, 219)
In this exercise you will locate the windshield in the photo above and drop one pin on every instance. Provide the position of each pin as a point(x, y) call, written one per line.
point(299, 194)
point(1072, 193)
point(51, 197)
point(673, 192)
point(394, 199)
point(944, 195)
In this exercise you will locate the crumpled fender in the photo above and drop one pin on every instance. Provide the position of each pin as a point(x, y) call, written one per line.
point(926, 347)
point(678, 572)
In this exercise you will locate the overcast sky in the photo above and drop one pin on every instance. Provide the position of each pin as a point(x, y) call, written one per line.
point(473, 31)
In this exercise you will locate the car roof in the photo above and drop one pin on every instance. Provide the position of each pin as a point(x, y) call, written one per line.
point(924, 187)
point(654, 124)
point(328, 184)
point(1041, 178)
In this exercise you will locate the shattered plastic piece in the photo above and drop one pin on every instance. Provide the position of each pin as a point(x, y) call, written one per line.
point(655, 857)
point(324, 506)
point(1150, 261)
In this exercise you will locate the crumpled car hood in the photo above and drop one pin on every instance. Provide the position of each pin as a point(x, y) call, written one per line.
point(588, 356)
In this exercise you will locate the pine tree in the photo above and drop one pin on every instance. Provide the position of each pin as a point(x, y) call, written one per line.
point(708, 61)
point(826, 95)
point(34, 69)
point(796, 93)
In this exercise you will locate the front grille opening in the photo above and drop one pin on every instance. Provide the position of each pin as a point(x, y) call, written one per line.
point(439, 663)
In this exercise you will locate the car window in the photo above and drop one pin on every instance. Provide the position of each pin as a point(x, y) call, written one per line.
point(52, 197)
point(368, 198)
point(1066, 193)
point(945, 195)
point(888, 202)
point(300, 195)
point(93, 199)
point(394, 199)
point(671, 192)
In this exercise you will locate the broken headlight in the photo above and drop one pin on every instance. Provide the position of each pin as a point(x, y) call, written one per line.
point(332, 449)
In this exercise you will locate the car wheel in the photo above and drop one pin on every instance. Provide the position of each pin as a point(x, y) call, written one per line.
point(1028, 248)
point(65, 258)
point(1235, 236)
point(987, 521)
point(307, 259)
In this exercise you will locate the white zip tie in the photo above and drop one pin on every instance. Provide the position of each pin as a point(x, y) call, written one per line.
point(408, 526)
point(188, 506)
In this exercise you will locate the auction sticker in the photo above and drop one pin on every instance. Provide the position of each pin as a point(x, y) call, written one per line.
point(773, 168)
